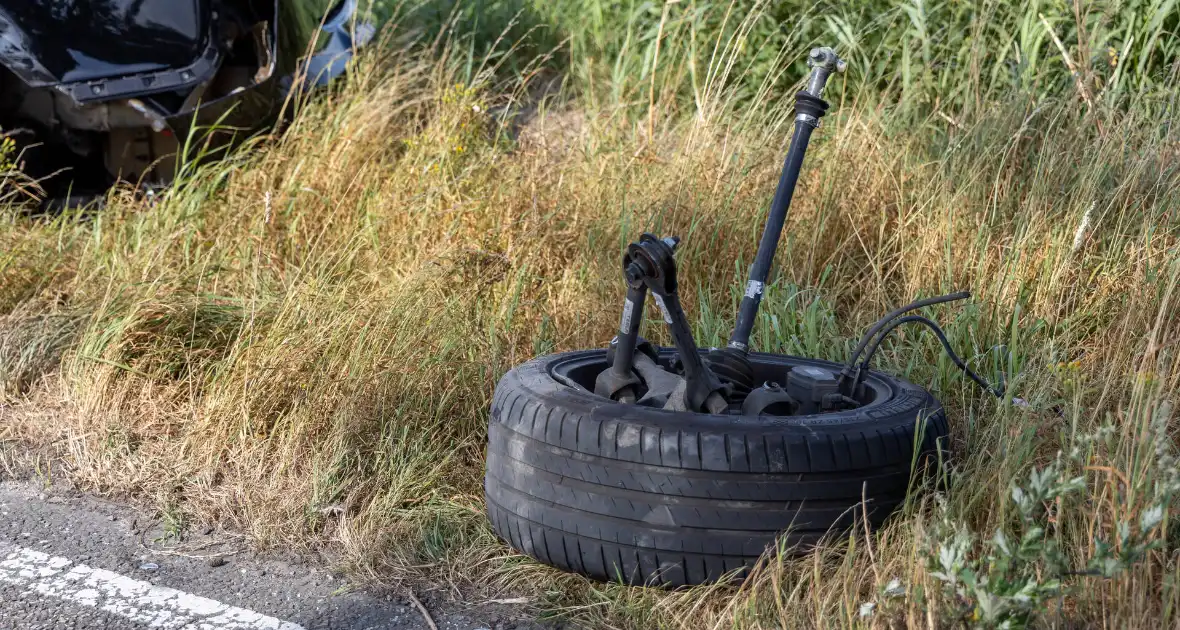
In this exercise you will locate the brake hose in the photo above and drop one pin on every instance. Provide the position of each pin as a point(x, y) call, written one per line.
point(884, 321)
point(999, 393)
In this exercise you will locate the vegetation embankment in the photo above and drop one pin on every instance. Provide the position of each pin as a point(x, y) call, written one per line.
point(300, 341)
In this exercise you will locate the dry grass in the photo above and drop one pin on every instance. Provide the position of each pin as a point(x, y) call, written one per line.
point(301, 342)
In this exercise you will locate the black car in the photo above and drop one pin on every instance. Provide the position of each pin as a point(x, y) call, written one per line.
point(93, 91)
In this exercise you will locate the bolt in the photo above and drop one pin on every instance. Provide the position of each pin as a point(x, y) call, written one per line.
point(827, 59)
point(634, 273)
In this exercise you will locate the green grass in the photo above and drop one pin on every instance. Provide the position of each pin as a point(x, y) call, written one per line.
point(300, 341)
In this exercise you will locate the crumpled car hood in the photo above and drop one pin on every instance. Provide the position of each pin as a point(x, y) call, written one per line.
point(49, 42)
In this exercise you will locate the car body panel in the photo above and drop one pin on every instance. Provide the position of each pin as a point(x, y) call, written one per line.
point(71, 41)
point(119, 87)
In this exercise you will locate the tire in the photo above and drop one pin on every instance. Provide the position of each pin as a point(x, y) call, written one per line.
point(647, 496)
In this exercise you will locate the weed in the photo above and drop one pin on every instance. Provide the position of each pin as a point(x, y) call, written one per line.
point(299, 342)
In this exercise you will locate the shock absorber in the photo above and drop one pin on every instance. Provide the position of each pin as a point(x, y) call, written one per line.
point(732, 363)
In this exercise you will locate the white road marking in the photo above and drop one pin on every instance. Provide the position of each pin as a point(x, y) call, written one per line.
point(143, 602)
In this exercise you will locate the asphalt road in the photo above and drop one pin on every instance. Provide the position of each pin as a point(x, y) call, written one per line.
point(79, 562)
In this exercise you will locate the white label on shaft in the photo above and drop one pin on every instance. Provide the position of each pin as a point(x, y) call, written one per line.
point(754, 289)
point(663, 309)
point(628, 309)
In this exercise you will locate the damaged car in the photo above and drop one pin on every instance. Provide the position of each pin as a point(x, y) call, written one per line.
point(97, 91)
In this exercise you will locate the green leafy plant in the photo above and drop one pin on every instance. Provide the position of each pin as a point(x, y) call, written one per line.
point(15, 185)
point(1006, 580)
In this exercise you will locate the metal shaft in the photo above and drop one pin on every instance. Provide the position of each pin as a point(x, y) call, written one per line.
point(759, 271)
point(809, 107)
point(702, 387)
point(677, 322)
point(629, 330)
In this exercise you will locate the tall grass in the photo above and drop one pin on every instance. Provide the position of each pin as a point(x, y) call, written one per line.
point(301, 341)
point(941, 58)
